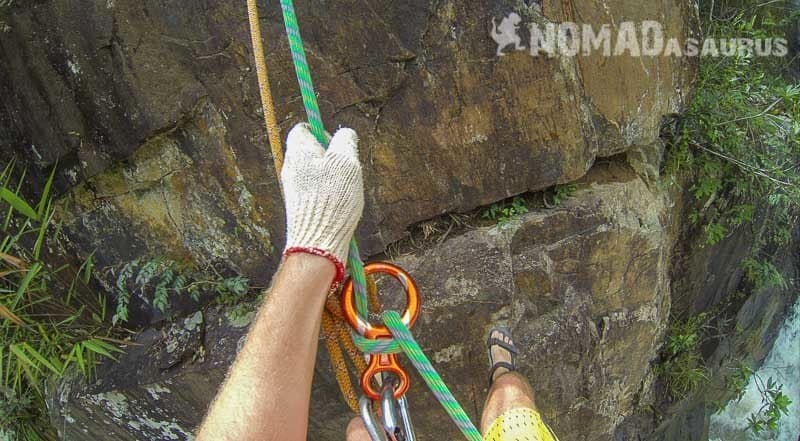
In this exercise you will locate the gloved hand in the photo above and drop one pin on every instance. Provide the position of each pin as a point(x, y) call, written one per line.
point(324, 194)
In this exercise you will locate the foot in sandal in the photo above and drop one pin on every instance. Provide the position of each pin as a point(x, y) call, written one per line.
point(502, 353)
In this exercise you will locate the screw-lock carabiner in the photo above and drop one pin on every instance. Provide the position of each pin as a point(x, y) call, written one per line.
point(405, 418)
point(375, 433)
point(395, 421)
point(390, 413)
point(396, 418)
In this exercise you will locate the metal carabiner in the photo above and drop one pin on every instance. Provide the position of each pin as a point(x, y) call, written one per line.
point(405, 418)
point(395, 420)
point(395, 415)
point(382, 363)
point(389, 413)
point(375, 433)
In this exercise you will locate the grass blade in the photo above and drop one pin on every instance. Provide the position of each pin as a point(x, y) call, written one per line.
point(45, 199)
point(23, 286)
point(101, 347)
point(21, 356)
point(18, 204)
point(10, 316)
point(78, 348)
point(49, 364)
point(88, 267)
point(37, 247)
point(14, 262)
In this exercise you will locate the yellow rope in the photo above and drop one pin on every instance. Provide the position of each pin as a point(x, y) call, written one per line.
point(336, 331)
point(273, 132)
point(329, 329)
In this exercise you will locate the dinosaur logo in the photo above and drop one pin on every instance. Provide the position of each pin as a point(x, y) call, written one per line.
point(505, 34)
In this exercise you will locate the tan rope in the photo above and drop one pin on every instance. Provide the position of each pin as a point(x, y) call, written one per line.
point(273, 132)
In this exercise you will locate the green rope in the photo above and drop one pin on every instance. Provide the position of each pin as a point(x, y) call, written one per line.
point(354, 264)
point(403, 340)
point(403, 336)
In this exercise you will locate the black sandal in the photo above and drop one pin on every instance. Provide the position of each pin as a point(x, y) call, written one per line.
point(510, 347)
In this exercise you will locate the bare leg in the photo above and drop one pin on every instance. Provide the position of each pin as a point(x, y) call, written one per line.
point(509, 390)
point(356, 431)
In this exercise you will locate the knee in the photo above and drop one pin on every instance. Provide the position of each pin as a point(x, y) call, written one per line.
point(512, 380)
point(512, 385)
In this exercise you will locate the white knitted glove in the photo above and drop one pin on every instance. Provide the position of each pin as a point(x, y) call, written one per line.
point(324, 194)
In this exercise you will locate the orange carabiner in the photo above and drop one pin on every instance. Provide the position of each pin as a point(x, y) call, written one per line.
point(379, 363)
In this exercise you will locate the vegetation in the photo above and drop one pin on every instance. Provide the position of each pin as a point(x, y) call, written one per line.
point(763, 274)
point(683, 371)
point(505, 212)
point(557, 194)
point(738, 147)
point(682, 368)
point(774, 404)
point(737, 383)
point(52, 322)
point(156, 279)
point(49, 321)
point(739, 140)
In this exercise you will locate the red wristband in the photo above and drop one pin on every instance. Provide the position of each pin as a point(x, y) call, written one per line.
point(318, 252)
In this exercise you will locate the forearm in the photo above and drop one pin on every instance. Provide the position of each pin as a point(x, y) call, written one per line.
point(266, 396)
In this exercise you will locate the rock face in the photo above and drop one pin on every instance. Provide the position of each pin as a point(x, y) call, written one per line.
point(152, 112)
point(584, 288)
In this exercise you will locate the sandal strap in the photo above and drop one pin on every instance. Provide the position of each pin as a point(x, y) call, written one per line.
point(510, 347)
point(500, 342)
point(500, 364)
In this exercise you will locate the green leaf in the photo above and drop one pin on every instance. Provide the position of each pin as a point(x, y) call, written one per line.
point(147, 272)
point(101, 347)
point(194, 292)
point(782, 401)
point(18, 204)
point(53, 365)
point(179, 283)
point(23, 285)
point(44, 201)
point(88, 267)
point(79, 357)
point(21, 356)
point(37, 247)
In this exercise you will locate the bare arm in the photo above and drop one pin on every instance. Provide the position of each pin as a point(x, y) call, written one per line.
point(266, 396)
point(267, 393)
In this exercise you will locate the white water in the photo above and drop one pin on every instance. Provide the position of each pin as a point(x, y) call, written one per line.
point(783, 364)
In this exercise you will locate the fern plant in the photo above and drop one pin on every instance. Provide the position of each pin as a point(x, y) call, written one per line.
point(763, 274)
point(156, 279)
